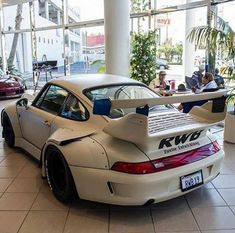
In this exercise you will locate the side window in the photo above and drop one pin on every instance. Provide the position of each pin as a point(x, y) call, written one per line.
point(52, 99)
point(73, 109)
point(41, 97)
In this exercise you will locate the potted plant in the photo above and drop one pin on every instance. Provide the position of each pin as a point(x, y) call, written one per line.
point(143, 56)
point(229, 125)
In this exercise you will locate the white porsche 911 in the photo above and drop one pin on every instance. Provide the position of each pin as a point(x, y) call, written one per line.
point(112, 139)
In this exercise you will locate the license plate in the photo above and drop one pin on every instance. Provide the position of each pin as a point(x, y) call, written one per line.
point(191, 181)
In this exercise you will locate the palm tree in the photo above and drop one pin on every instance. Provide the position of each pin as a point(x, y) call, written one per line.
point(12, 53)
point(222, 37)
point(18, 20)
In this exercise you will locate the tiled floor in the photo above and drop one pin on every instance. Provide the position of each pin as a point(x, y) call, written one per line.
point(27, 205)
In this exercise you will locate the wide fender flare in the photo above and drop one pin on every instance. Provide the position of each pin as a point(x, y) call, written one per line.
point(11, 111)
point(80, 151)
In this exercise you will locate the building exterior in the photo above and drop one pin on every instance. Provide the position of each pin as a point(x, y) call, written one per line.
point(93, 47)
point(49, 43)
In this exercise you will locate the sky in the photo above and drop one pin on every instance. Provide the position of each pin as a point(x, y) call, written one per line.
point(89, 9)
point(226, 11)
point(94, 9)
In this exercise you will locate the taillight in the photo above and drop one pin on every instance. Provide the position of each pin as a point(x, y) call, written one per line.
point(168, 162)
point(134, 168)
point(216, 146)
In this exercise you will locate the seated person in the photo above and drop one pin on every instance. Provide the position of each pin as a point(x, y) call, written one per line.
point(196, 79)
point(219, 79)
point(160, 82)
point(182, 88)
point(208, 84)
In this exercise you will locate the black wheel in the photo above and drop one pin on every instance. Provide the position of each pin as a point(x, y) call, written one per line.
point(8, 132)
point(59, 175)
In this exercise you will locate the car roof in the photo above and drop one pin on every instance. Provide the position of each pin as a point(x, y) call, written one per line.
point(77, 83)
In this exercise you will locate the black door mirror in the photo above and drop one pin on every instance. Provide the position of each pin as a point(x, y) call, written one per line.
point(22, 102)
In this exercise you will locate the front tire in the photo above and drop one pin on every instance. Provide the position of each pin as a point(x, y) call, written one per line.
point(59, 175)
point(8, 132)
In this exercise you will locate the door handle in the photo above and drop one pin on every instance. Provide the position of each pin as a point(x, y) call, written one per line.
point(47, 123)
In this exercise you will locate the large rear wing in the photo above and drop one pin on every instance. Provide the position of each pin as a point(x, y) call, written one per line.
point(140, 128)
point(104, 106)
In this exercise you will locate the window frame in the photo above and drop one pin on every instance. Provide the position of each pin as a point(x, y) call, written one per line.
point(45, 89)
point(87, 113)
point(43, 94)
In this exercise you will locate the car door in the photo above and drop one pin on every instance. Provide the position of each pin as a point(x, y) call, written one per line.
point(36, 120)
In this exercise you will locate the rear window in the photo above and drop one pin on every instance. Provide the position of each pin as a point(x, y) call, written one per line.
point(120, 92)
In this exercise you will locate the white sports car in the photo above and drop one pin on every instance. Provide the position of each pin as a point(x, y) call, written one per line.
point(139, 150)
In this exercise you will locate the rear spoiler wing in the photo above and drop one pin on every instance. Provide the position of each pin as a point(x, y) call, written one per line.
point(134, 127)
point(104, 106)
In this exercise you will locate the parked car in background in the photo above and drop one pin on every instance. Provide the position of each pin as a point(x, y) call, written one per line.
point(11, 86)
point(162, 64)
point(139, 151)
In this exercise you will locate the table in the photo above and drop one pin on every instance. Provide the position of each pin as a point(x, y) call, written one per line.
point(163, 92)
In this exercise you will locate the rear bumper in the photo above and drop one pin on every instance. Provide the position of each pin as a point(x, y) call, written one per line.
point(126, 189)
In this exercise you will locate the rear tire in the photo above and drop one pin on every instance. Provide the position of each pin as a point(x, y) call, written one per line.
point(59, 176)
point(8, 132)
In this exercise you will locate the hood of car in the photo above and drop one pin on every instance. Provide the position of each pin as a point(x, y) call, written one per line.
point(7, 83)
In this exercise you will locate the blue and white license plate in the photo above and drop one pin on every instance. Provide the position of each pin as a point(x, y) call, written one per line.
point(191, 181)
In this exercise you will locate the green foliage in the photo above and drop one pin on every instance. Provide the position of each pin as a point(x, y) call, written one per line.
point(231, 99)
point(222, 37)
point(138, 6)
point(143, 58)
point(170, 50)
point(167, 49)
point(101, 70)
point(178, 50)
point(100, 64)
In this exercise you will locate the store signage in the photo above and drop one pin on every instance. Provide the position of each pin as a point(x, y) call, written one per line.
point(162, 22)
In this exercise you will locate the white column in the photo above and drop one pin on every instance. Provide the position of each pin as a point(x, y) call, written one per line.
point(189, 51)
point(117, 37)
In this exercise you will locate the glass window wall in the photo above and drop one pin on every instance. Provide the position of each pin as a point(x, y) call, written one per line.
point(87, 55)
point(88, 10)
point(16, 17)
point(48, 13)
point(84, 50)
point(19, 54)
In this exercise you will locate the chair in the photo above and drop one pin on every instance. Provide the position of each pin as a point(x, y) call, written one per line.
point(189, 105)
point(191, 82)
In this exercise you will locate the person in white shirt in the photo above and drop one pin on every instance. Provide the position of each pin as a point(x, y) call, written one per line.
point(208, 82)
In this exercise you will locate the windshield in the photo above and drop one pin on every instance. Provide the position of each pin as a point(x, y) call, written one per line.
point(125, 91)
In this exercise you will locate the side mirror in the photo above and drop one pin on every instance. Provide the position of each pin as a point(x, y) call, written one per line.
point(22, 103)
